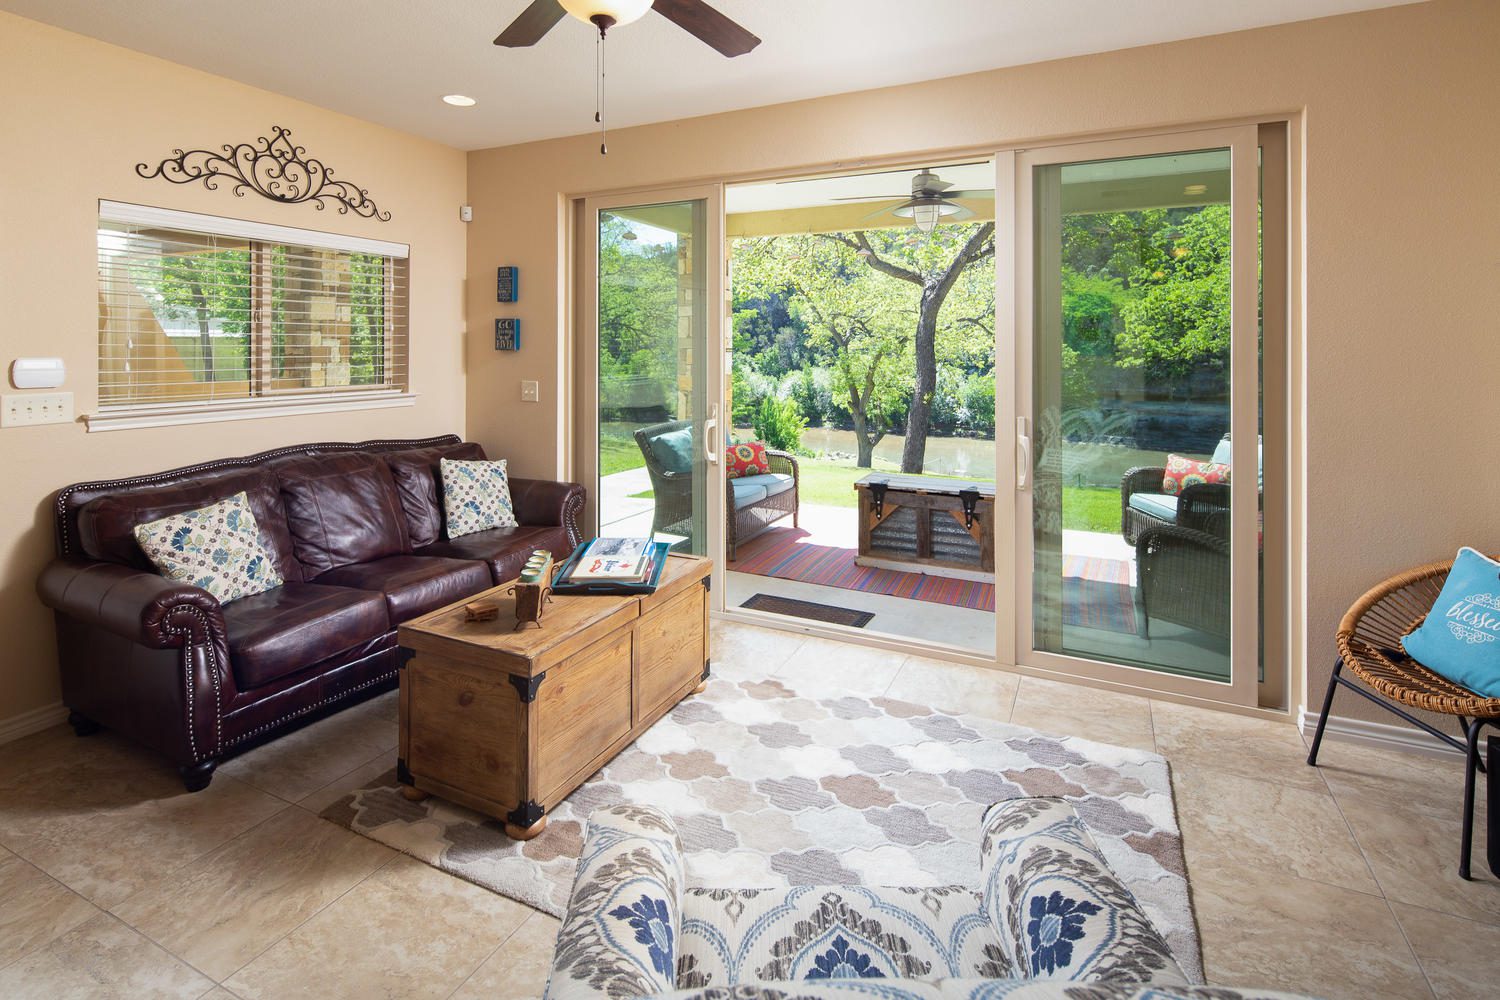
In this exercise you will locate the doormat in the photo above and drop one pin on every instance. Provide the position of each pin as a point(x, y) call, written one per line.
point(808, 609)
point(769, 788)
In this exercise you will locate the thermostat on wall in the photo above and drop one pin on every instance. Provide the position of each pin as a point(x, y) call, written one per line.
point(37, 373)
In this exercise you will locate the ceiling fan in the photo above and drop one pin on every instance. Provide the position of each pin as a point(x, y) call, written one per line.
point(693, 16)
point(931, 201)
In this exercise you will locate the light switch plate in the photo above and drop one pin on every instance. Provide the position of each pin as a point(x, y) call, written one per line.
point(531, 392)
point(36, 408)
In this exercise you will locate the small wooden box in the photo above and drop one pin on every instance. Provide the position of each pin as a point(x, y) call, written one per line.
point(509, 723)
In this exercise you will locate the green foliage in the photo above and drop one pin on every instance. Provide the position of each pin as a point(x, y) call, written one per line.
point(779, 423)
point(1179, 322)
point(637, 319)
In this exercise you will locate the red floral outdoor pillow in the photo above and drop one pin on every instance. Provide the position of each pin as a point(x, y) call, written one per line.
point(747, 460)
point(1183, 472)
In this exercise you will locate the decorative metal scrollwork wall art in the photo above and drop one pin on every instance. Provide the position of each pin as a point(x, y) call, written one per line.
point(274, 168)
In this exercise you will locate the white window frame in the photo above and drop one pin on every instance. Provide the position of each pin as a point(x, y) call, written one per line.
point(131, 416)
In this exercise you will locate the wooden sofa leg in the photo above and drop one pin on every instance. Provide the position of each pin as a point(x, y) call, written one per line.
point(195, 777)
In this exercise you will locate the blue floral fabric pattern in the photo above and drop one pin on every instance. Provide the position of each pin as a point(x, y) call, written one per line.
point(215, 547)
point(652, 923)
point(1056, 922)
point(841, 961)
point(476, 496)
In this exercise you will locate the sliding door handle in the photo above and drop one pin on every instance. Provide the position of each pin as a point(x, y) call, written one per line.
point(1023, 454)
point(710, 427)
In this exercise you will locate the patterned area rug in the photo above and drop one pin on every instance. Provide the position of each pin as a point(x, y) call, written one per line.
point(772, 789)
point(1097, 594)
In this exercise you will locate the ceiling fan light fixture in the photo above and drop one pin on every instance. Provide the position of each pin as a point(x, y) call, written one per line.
point(926, 214)
point(614, 12)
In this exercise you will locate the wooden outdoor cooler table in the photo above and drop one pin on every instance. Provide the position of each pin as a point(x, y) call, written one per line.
point(917, 524)
point(510, 722)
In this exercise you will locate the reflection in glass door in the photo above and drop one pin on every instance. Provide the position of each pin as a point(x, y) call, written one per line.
point(1138, 505)
point(657, 435)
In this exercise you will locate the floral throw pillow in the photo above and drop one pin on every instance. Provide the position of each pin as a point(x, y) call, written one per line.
point(746, 460)
point(476, 497)
point(1183, 472)
point(215, 547)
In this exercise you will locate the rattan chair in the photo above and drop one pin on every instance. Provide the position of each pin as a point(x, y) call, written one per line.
point(1369, 644)
point(1183, 577)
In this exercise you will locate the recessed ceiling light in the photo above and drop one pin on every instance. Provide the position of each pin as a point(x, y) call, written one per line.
point(460, 101)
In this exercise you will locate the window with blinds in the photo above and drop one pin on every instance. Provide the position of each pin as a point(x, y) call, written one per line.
point(197, 310)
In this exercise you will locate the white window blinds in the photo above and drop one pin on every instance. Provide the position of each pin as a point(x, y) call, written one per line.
point(196, 309)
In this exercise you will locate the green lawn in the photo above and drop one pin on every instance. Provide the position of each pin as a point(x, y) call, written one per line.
point(1091, 509)
point(618, 451)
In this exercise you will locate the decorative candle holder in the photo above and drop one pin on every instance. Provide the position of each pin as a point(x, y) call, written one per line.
point(533, 591)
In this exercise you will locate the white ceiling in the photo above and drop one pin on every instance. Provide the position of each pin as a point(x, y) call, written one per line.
point(390, 61)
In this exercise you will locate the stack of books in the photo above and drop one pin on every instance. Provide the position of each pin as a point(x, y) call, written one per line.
point(612, 565)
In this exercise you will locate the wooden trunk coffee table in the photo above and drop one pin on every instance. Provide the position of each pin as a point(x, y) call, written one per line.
point(509, 722)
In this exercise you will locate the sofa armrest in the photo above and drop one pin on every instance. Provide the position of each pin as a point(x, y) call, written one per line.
point(1057, 908)
point(545, 502)
point(619, 936)
point(143, 607)
point(1141, 479)
point(785, 463)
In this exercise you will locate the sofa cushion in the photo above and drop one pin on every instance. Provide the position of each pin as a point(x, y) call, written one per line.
point(413, 585)
point(106, 524)
point(746, 491)
point(746, 460)
point(476, 497)
point(294, 626)
point(1182, 472)
point(772, 482)
point(342, 508)
point(504, 550)
point(811, 932)
point(674, 450)
point(1158, 505)
point(415, 471)
point(215, 547)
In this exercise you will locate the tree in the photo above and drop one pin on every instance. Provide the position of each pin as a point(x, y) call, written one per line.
point(1179, 320)
point(858, 322)
point(933, 266)
point(211, 285)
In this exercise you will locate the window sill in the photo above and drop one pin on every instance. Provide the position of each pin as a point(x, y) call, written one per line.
point(126, 418)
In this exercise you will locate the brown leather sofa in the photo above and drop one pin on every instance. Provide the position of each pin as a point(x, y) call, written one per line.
point(357, 532)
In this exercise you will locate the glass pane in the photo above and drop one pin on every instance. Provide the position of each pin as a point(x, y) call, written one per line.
point(1131, 386)
point(653, 313)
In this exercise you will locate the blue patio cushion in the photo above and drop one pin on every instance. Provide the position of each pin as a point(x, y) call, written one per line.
point(674, 450)
point(773, 482)
point(747, 490)
point(1158, 505)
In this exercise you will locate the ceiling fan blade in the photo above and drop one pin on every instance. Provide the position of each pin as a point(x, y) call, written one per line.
point(534, 22)
point(871, 197)
point(977, 193)
point(960, 215)
point(886, 210)
point(708, 25)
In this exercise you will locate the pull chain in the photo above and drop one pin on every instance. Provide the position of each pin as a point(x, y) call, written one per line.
point(599, 94)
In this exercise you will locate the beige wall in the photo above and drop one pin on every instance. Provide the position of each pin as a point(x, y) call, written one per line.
point(76, 117)
point(1402, 268)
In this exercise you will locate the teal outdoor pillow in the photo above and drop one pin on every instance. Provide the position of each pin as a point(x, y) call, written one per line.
point(674, 450)
point(1460, 638)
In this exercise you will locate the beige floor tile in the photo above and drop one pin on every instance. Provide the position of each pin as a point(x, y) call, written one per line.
point(745, 652)
point(109, 854)
point(1073, 710)
point(1303, 936)
point(1193, 738)
point(1408, 778)
point(34, 908)
point(955, 687)
point(823, 668)
point(407, 931)
point(101, 958)
point(1233, 826)
point(299, 763)
point(1414, 854)
point(361, 776)
point(227, 907)
point(1461, 958)
point(218, 993)
point(518, 969)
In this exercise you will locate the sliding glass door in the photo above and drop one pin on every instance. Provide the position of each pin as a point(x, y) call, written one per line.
point(1137, 425)
point(649, 438)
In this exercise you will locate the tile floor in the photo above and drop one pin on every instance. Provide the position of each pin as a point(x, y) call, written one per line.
point(1338, 882)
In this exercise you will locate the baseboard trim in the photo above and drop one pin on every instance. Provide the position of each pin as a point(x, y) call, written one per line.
point(33, 721)
point(1377, 734)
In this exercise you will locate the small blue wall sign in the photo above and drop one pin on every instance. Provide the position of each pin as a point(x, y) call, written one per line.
point(507, 284)
point(507, 335)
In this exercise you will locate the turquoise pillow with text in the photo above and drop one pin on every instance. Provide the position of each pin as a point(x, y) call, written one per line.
point(1460, 638)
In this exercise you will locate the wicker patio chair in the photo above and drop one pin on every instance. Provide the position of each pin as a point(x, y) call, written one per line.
point(1183, 577)
point(1369, 644)
point(1195, 504)
point(673, 492)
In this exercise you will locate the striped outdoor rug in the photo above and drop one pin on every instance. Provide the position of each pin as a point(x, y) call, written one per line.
point(1096, 591)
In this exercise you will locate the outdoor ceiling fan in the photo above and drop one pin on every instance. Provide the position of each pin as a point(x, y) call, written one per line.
point(693, 16)
point(931, 202)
